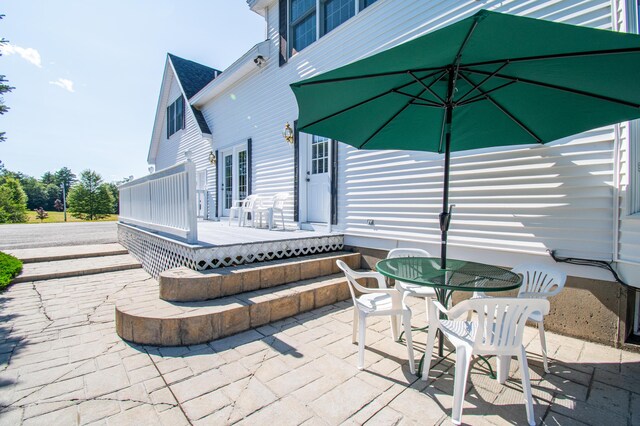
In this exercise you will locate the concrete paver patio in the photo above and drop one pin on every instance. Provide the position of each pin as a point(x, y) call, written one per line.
point(61, 362)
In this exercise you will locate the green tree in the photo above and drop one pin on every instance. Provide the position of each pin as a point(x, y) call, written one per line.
point(36, 192)
point(48, 178)
point(115, 193)
point(4, 88)
point(13, 201)
point(65, 176)
point(90, 198)
point(53, 193)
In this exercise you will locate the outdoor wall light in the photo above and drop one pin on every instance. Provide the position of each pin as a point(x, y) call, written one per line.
point(287, 133)
point(151, 169)
point(212, 157)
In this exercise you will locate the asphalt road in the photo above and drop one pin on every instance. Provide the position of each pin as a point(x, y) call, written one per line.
point(57, 234)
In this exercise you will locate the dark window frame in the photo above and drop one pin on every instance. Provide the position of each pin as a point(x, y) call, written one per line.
point(175, 116)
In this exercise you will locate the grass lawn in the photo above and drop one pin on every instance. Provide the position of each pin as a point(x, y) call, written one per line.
point(9, 268)
point(55, 217)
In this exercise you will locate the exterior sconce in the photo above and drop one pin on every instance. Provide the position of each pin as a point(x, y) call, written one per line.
point(188, 154)
point(151, 169)
point(287, 133)
point(212, 157)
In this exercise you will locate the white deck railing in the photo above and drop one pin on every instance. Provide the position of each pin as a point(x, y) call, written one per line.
point(164, 201)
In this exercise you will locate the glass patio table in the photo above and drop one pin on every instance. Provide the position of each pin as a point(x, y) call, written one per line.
point(459, 275)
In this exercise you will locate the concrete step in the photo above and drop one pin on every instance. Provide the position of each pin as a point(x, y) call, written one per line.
point(144, 319)
point(48, 254)
point(186, 285)
point(75, 267)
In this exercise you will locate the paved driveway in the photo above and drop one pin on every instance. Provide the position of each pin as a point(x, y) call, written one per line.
point(56, 234)
point(61, 363)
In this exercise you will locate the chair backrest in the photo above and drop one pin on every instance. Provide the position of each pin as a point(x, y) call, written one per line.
point(279, 200)
point(501, 321)
point(407, 252)
point(250, 201)
point(354, 286)
point(540, 279)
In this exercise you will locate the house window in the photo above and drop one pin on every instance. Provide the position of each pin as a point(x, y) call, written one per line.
point(335, 12)
point(310, 19)
point(175, 116)
point(303, 24)
point(366, 3)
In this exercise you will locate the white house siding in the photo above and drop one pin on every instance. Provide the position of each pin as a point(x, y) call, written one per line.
point(171, 150)
point(509, 202)
point(628, 247)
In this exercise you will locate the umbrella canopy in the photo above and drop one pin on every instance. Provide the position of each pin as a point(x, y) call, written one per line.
point(488, 80)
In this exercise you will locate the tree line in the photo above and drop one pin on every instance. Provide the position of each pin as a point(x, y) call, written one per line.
point(87, 197)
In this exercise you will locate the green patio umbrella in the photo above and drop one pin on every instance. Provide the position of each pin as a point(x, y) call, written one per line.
point(489, 80)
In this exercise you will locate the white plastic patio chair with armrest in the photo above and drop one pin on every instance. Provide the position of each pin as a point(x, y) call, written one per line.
point(269, 208)
point(235, 211)
point(498, 331)
point(538, 282)
point(381, 301)
point(247, 210)
point(408, 289)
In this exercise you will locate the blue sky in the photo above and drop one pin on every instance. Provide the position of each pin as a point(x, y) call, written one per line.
point(87, 75)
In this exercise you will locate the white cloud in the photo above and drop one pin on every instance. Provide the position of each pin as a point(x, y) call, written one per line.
point(64, 83)
point(29, 54)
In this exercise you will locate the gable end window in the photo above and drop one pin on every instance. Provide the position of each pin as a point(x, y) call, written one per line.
point(307, 20)
point(175, 116)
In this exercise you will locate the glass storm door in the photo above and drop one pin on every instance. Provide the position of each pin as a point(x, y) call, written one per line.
point(234, 177)
point(318, 180)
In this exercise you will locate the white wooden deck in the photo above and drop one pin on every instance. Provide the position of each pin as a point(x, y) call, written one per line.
point(220, 244)
point(212, 233)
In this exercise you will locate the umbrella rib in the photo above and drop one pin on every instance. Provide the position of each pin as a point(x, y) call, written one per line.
point(386, 123)
point(505, 112)
point(359, 104)
point(427, 87)
point(560, 88)
point(483, 94)
point(477, 86)
point(416, 98)
point(558, 56)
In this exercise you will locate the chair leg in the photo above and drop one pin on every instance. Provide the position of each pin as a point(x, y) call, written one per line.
point(406, 317)
point(526, 386)
point(428, 354)
point(543, 344)
point(282, 217)
point(363, 330)
point(463, 359)
point(355, 325)
point(504, 363)
point(395, 335)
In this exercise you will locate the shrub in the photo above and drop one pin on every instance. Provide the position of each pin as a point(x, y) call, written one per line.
point(9, 268)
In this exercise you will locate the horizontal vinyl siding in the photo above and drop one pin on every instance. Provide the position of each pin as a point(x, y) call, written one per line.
point(629, 227)
point(520, 200)
point(171, 151)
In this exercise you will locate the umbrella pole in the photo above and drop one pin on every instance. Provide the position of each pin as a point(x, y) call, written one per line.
point(445, 216)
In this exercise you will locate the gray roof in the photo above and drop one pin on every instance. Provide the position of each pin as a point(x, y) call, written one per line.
point(193, 77)
point(204, 127)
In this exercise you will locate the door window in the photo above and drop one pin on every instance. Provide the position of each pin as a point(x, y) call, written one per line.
point(319, 155)
point(228, 181)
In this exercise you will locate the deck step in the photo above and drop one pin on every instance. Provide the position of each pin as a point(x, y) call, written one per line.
point(75, 267)
point(144, 319)
point(49, 254)
point(186, 285)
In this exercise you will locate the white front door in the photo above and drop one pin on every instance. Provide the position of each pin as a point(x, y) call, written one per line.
point(233, 177)
point(318, 179)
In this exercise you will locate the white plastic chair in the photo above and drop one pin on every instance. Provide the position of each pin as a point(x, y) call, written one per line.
point(379, 301)
point(408, 289)
point(498, 331)
point(272, 206)
point(538, 282)
point(248, 208)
